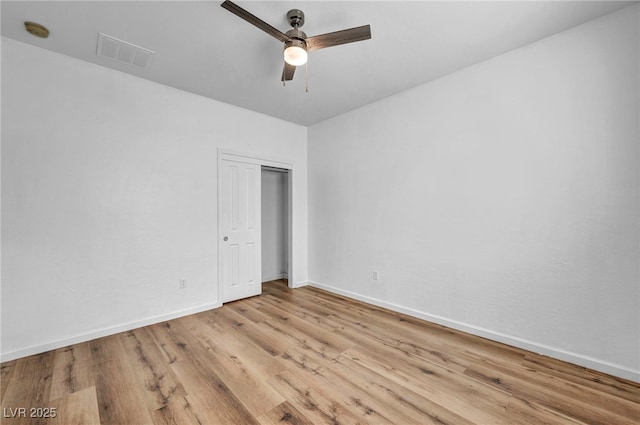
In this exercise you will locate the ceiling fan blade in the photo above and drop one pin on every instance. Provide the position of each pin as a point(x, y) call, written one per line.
point(252, 19)
point(287, 72)
point(339, 37)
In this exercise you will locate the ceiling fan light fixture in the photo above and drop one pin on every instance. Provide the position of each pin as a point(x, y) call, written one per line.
point(295, 52)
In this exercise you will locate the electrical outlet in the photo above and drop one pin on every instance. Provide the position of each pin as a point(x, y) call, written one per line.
point(183, 283)
point(375, 275)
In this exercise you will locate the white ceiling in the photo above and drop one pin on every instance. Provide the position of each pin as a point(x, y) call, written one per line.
point(204, 49)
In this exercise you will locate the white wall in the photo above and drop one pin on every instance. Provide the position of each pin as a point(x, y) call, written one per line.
point(274, 225)
point(109, 186)
point(501, 199)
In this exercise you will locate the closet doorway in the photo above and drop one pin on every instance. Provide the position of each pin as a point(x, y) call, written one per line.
point(240, 224)
point(275, 223)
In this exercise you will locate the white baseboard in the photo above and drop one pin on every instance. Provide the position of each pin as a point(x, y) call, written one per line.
point(53, 345)
point(274, 277)
point(299, 284)
point(575, 358)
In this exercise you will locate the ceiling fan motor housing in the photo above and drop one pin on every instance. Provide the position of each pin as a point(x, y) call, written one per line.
point(297, 39)
point(297, 34)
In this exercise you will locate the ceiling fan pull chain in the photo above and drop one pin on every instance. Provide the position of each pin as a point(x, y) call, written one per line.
point(306, 77)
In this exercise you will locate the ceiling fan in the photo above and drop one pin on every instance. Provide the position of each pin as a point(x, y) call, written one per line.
point(296, 42)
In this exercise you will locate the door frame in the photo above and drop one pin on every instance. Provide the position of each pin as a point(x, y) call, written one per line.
point(224, 154)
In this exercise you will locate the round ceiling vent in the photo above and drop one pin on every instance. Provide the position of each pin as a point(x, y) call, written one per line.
point(36, 29)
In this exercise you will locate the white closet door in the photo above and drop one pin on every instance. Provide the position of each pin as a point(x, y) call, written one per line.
point(241, 262)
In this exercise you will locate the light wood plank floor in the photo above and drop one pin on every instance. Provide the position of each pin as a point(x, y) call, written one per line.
point(305, 356)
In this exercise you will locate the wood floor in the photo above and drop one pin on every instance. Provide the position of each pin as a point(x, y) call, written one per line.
point(305, 356)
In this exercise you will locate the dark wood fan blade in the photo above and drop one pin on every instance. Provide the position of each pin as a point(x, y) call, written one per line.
point(339, 37)
point(287, 72)
point(252, 19)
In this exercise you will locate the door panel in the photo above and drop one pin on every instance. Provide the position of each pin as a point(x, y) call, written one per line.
point(240, 225)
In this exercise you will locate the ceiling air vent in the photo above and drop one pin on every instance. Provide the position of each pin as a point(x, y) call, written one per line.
point(112, 48)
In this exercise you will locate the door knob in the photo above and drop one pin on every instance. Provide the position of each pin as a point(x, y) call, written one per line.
point(225, 239)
